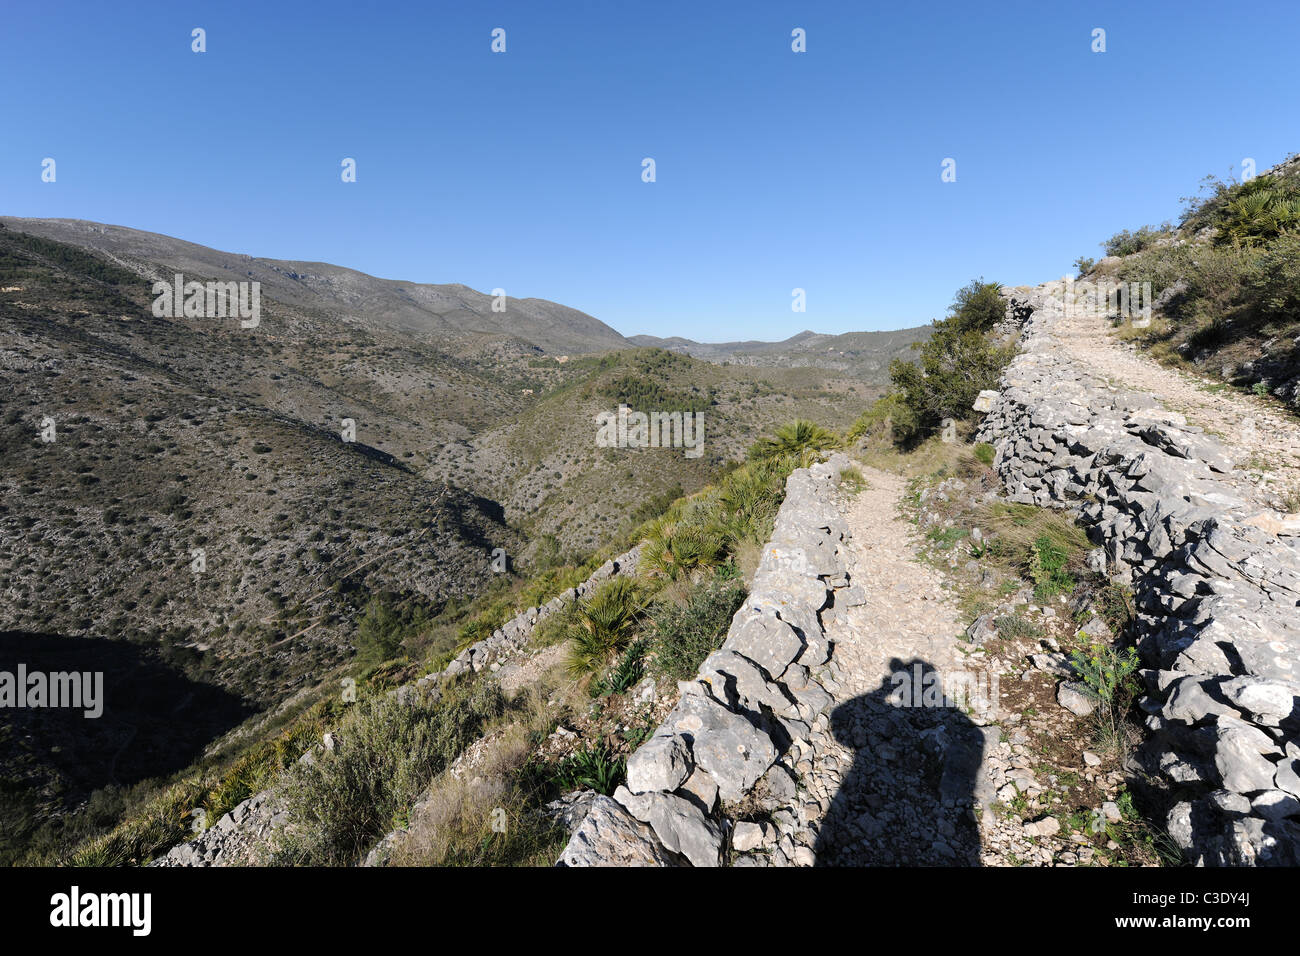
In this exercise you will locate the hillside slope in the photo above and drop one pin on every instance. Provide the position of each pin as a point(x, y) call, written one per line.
point(863, 354)
point(152, 502)
point(430, 313)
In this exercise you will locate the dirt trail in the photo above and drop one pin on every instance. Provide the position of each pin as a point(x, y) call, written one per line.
point(893, 784)
point(1263, 440)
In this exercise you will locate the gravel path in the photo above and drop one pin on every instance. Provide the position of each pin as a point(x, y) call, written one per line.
point(894, 785)
point(1263, 439)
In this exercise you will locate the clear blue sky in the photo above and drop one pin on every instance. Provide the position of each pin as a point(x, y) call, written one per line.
point(522, 170)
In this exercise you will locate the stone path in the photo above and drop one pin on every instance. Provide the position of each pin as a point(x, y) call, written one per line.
point(891, 785)
point(1263, 439)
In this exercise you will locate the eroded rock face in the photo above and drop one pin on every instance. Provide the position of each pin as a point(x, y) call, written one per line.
point(751, 698)
point(1215, 572)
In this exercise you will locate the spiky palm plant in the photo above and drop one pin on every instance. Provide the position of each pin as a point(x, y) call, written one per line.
point(748, 497)
point(801, 439)
point(1262, 210)
point(679, 549)
point(604, 625)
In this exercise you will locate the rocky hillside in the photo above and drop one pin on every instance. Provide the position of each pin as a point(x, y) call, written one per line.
point(1224, 283)
point(178, 499)
point(223, 503)
point(864, 354)
point(455, 317)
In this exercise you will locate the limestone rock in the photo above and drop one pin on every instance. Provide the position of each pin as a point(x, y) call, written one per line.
point(662, 763)
point(610, 836)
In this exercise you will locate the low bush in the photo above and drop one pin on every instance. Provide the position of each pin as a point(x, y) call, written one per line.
point(602, 625)
point(594, 767)
point(625, 673)
point(1109, 674)
point(385, 623)
point(1047, 569)
point(1125, 243)
point(387, 752)
point(685, 634)
point(801, 440)
point(958, 361)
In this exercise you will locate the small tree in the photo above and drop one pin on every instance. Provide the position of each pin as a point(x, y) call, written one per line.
point(957, 362)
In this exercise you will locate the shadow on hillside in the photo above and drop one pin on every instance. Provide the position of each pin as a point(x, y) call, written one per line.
point(906, 800)
point(155, 720)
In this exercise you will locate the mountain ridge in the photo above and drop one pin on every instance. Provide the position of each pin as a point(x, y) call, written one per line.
point(456, 308)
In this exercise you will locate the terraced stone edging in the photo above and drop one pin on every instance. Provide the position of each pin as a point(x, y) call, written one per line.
point(750, 701)
point(1215, 572)
point(513, 636)
point(250, 826)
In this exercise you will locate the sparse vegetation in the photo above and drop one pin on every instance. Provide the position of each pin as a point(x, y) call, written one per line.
point(386, 754)
point(1109, 674)
point(1230, 281)
point(684, 634)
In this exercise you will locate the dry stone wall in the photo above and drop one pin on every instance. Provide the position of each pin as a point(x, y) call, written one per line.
point(751, 700)
point(244, 834)
point(1215, 572)
point(512, 638)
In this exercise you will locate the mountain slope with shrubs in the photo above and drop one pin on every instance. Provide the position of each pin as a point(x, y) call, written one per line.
point(1225, 282)
point(659, 625)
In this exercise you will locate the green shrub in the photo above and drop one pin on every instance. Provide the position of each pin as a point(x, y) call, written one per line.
point(603, 625)
point(1115, 606)
point(629, 669)
point(680, 549)
point(1125, 243)
point(957, 362)
point(985, 453)
point(387, 752)
point(887, 417)
point(386, 621)
point(1109, 674)
point(1258, 210)
point(684, 635)
point(1047, 569)
point(801, 439)
point(1017, 626)
point(593, 767)
point(748, 500)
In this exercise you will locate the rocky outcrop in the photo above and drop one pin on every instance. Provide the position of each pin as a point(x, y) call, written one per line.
point(752, 699)
point(242, 837)
point(1215, 572)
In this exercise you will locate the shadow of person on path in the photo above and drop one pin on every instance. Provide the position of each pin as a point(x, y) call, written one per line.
point(907, 800)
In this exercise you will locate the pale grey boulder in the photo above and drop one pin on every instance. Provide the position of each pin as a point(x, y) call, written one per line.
point(610, 836)
point(765, 639)
point(1073, 696)
point(679, 824)
point(661, 763)
point(731, 749)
